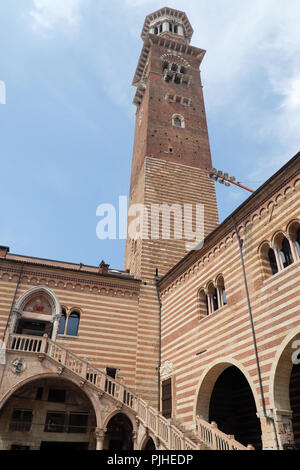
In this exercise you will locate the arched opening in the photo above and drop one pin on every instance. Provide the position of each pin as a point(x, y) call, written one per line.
point(73, 324)
point(294, 234)
point(268, 259)
point(221, 291)
point(286, 391)
point(48, 413)
point(36, 312)
point(62, 325)
point(283, 247)
point(226, 398)
point(119, 433)
point(203, 301)
point(149, 444)
point(213, 298)
point(294, 387)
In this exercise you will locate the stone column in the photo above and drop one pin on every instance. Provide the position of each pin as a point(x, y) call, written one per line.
point(16, 315)
point(165, 26)
point(284, 426)
point(56, 320)
point(100, 435)
point(180, 30)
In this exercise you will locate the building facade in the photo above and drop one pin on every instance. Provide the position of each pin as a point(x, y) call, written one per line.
point(185, 348)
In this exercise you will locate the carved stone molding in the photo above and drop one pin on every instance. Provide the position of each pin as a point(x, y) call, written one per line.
point(166, 370)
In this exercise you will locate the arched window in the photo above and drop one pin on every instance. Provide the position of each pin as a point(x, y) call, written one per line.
point(178, 121)
point(221, 291)
point(174, 67)
point(177, 79)
point(285, 253)
point(215, 300)
point(62, 325)
point(203, 300)
point(297, 242)
point(182, 70)
point(294, 236)
point(165, 65)
point(272, 261)
point(175, 29)
point(73, 324)
point(155, 30)
point(269, 260)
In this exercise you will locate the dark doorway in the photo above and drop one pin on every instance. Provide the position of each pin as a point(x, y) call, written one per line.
point(295, 403)
point(150, 444)
point(166, 398)
point(34, 328)
point(119, 433)
point(233, 408)
point(48, 445)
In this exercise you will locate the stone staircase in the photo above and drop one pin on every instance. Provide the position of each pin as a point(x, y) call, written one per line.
point(171, 433)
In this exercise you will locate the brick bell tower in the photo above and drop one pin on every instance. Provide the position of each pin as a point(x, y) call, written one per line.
point(170, 155)
point(171, 145)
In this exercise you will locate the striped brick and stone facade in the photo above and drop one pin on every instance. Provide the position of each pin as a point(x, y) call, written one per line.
point(183, 349)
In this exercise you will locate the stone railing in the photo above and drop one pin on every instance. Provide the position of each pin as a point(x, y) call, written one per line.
point(170, 436)
point(216, 439)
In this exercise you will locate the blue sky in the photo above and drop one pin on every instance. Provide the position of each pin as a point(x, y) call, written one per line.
point(68, 123)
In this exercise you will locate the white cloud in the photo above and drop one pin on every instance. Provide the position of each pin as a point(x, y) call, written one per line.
point(48, 14)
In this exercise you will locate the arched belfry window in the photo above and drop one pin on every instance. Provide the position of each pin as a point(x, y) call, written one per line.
point(178, 121)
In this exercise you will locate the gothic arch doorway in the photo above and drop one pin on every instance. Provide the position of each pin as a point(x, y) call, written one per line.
point(286, 389)
point(226, 397)
point(148, 444)
point(119, 434)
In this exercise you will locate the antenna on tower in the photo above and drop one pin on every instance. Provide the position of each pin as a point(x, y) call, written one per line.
point(224, 178)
